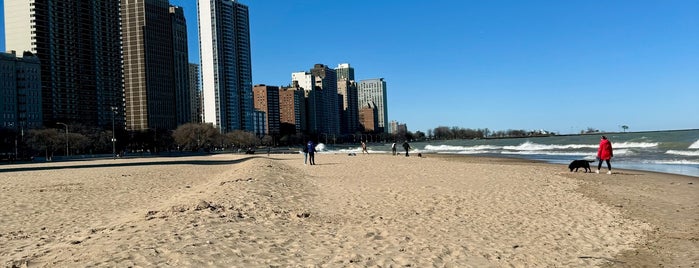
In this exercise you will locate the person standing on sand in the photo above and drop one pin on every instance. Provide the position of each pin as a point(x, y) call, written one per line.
point(364, 148)
point(604, 153)
point(393, 148)
point(311, 152)
point(406, 146)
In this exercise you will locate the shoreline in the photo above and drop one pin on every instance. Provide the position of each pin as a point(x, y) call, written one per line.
point(364, 210)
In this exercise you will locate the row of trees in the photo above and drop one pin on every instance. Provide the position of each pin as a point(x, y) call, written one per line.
point(451, 133)
point(82, 140)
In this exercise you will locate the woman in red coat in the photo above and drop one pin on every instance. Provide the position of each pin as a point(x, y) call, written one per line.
point(604, 153)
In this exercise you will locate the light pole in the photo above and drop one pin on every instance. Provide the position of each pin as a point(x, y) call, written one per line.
point(59, 123)
point(114, 111)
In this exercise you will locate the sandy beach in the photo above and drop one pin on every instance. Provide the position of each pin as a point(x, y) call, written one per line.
point(372, 210)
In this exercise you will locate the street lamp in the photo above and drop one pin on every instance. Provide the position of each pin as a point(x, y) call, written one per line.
point(114, 111)
point(59, 123)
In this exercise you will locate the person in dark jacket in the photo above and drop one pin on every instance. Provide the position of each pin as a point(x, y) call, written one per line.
point(604, 153)
point(311, 152)
point(406, 146)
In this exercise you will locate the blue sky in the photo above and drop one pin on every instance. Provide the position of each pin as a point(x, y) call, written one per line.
point(562, 66)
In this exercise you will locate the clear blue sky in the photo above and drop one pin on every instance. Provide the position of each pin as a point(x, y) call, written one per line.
point(561, 66)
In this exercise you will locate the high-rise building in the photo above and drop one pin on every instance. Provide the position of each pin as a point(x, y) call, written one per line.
point(266, 99)
point(20, 91)
point(79, 45)
point(180, 52)
point(347, 90)
point(373, 91)
point(292, 110)
point(224, 37)
point(344, 72)
point(155, 65)
point(320, 89)
point(195, 93)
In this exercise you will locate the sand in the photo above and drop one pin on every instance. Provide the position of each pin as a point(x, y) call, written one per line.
point(348, 211)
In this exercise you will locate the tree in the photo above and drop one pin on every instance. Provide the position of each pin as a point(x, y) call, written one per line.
point(47, 140)
point(196, 136)
point(625, 127)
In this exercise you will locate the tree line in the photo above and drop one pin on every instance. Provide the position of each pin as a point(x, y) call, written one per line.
point(192, 137)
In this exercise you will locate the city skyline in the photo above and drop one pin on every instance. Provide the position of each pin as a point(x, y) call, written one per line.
point(558, 66)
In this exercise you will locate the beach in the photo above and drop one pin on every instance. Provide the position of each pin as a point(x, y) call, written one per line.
point(374, 210)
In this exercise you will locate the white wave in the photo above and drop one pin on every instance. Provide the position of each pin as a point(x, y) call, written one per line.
point(694, 145)
point(530, 146)
point(682, 152)
point(473, 152)
point(549, 153)
point(676, 162)
point(460, 148)
point(634, 145)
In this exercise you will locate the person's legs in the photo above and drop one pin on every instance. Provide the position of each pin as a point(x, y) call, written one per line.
point(609, 166)
point(305, 157)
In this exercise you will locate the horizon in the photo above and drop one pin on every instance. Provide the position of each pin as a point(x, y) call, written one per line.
point(562, 67)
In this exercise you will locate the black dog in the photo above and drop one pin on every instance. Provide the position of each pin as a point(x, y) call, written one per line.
point(576, 164)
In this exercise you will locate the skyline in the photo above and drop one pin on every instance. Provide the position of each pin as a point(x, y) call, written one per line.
point(557, 66)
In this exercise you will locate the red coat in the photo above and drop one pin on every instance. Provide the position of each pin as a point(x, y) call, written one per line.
point(605, 150)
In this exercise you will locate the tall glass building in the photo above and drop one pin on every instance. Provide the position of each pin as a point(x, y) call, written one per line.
point(226, 71)
point(79, 45)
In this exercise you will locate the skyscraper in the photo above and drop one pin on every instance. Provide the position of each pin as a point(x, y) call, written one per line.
point(79, 45)
point(224, 37)
point(320, 88)
point(373, 91)
point(195, 93)
point(347, 90)
point(156, 70)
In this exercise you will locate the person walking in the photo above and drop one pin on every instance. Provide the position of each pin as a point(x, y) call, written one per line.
point(311, 152)
point(604, 153)
point(406, 146)
point(364, 148)
point(393, 148)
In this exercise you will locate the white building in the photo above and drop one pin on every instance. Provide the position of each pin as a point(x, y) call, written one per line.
point(226, 71)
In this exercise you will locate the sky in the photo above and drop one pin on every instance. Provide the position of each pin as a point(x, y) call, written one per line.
point(561, 66)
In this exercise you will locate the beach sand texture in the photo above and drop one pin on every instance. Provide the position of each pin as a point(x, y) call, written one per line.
point(347, 211)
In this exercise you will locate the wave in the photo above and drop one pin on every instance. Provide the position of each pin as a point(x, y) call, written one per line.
point(530, 146)
point(675, 162)
point(634, 144)
point(694, 145)
point(682, 152)
point(461, 148)
point(592, 155)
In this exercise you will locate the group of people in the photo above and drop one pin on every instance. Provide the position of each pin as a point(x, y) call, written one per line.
point(604, 152)
point(309, 151)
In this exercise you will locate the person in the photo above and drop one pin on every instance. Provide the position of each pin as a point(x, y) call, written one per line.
point(604, 153)
point(305, 154)
point(364, 148)
point(311, 152)
point(406, 146)
point(393, 148)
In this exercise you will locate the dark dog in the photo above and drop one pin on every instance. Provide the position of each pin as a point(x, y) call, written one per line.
point(576, 164)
